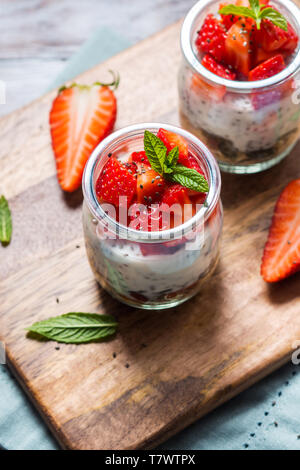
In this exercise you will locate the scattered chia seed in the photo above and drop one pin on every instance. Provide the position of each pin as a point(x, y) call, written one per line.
point(146, 199)
point(141, 186)
point(109, 155)
point(150, 199)
point(57, 348)
point(252, 434)
point(279, 394)
point(127, 366)
point(57, 300)
point(266, 413)
point(275, 424)
point(157, 177)
point(77, 246)
point(289, 242)
point(259, 424)
point(152, 181)
point(287, 382)
point(298, 437)
point(246, 446)
point(274, 403)
point(114, 355)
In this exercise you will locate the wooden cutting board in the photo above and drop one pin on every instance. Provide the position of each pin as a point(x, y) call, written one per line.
point(170, 367)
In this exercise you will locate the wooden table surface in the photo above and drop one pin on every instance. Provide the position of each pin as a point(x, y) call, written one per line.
point(39, 36)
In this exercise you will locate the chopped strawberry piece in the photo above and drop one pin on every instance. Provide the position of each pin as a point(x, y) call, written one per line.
point(177, 199)
point(150, 186)
point(292, 41)
point(147, 218)
point(171, 140)
point(260, 55)
point(203, 88)
point(79, 119)
point(211, 38)
point(261, 99)
point(282, 252)
point(191, 162)
point(270, 37)
point(114, 182)
point(138, 157)
point(221, 70)
point(268, 68)
point(176, 194)
point(228, 20)
point(238, 46)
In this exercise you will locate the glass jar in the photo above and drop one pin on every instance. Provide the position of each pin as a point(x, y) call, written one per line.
point(249, 126)
point(151, 270)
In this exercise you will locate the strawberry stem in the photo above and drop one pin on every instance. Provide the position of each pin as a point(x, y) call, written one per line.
point(114, 83)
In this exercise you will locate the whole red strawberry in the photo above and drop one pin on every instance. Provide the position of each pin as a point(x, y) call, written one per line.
point(211, 38)
point(114, 182)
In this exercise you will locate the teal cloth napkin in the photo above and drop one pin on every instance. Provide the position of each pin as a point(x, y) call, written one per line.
point(267, 416)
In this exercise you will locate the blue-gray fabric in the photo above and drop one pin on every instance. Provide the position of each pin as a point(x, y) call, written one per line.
point(267, 416)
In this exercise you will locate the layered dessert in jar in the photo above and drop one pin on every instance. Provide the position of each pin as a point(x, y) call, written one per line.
point(152, 215)
point(239, 80)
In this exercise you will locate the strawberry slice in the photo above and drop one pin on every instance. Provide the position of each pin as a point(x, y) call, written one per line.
point(211, 38)
point(114, 182)
point(238, 46)
point(150, 186)
point(282, 252)
point(171, 140)
point(80, 118)
point(268, 68)
point(218, 69)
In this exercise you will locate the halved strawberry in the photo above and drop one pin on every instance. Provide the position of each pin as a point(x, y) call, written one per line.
point(282, 252)
point(238, 46)
point(176, 198)
point(171, 140)
point(150, 186)
point(114, 182)
point(80, 118)
point(211, 38)
point(218, 69)
point(268, 68)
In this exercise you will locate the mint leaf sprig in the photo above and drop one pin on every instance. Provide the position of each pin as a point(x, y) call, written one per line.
point(75, 328)
point(166, 164)
point(258, 12)
point(5, 222)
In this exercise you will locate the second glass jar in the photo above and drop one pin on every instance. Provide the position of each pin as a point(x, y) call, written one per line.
point(249, 126)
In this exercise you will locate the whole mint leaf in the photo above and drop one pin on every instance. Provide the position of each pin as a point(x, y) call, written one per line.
point(5, 221)
point(76, 328)
point(156, 151)
point(189, 178)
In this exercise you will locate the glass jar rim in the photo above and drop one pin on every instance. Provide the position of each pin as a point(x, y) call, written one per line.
point(235, 86)
point(144, 236)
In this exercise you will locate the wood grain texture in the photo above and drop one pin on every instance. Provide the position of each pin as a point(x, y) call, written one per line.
point(183, 362)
